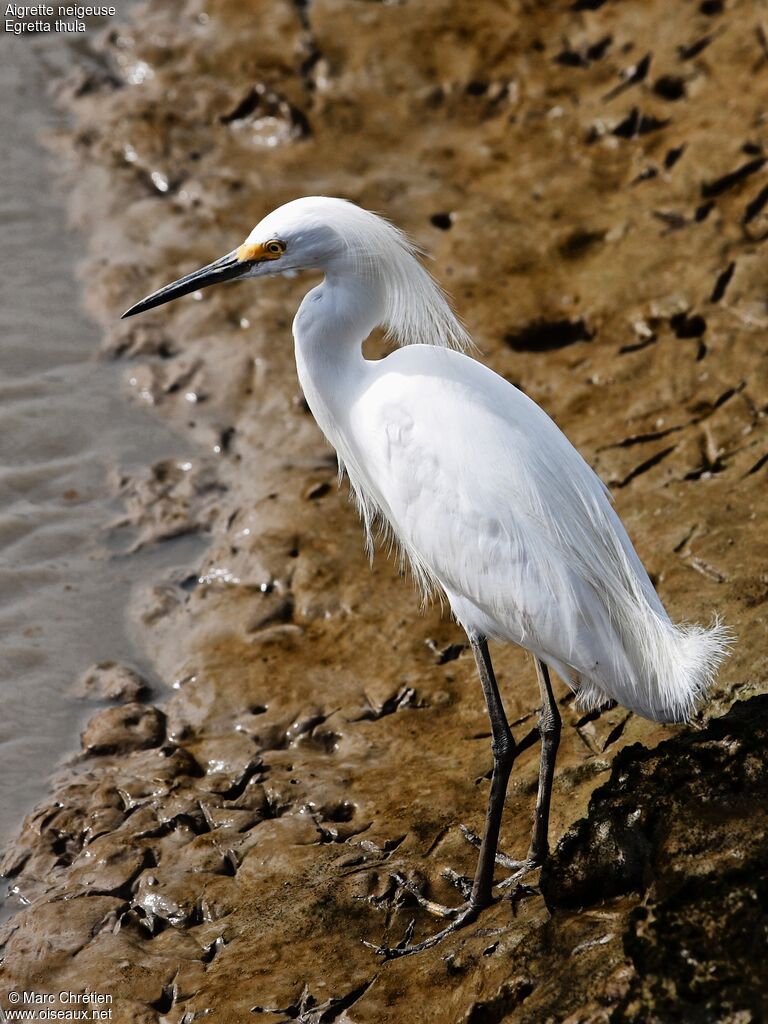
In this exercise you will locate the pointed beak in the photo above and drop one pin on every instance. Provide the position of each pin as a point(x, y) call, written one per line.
point(228, 268)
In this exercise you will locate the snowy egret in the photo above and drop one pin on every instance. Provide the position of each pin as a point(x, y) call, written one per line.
point(484, 496)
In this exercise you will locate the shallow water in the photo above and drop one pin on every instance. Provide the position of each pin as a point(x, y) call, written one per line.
point(63, 427)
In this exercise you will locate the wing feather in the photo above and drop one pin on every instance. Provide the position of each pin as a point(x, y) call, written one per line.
point(489, 500)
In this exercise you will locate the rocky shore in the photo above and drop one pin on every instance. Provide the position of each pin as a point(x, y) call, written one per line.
point(591, 181)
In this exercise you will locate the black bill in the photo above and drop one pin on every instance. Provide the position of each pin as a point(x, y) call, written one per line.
point(228, 268)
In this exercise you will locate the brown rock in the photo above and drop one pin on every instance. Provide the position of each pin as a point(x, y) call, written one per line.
point(122, 729)
point(108, 680)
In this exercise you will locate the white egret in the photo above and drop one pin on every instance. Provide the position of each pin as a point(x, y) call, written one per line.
point(486, 499)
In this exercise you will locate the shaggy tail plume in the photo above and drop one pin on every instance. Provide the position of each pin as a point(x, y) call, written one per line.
point(675, 668)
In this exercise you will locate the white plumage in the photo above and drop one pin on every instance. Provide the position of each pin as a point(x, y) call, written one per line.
point(485, 497)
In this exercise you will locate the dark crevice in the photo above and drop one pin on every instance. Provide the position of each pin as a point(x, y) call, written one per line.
point(239, 785)
point(672, 156)
point(674, 220)
point(164, 1004)
point(571, 59)
point(636, 124)
point(646, 175)
point(442, 221)
point(722, 282)
point(703, 211)
point(229, 863)
point(307, 1008)
point(758, 465)
point(548, 335)
point(615, 733)
point(688, 326)
point(225, 439)
point(279, 616)
point(669, 87)
point(498, 1007)
point(265, 102)
point(595, 713)
point(630, 76)
point(328, 836)
point(728, 394)
point(583, 58)
point(694, 49)
point(637, 346)
point(633, 439)
point(302, 9)
point(728, 181)
point(450, 653)
point(579, 242)
point(683, 543)
point(596, 51)
point(406, 697)
point(530, 739)
point(194, 822)
point(318, 491)
point(706, 467)
point(755, 206)
point(308, 64)
point(649, 463)
point(210, 952)
point(445, 654)
point(14, 869)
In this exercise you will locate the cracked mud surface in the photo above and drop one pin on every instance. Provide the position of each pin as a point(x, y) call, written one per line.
point(590, 179)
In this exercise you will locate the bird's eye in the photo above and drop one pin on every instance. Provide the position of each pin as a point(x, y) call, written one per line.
point(274, 248)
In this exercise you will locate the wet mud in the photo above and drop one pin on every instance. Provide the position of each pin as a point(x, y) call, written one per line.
point(590, 179)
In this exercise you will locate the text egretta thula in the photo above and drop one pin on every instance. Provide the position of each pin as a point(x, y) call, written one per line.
point(485, 497)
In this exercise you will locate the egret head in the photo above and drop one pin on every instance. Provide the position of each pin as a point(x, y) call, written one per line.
point(339, 238)
point(310, 233)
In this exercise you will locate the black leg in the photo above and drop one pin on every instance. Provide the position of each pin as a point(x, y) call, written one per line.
point(549, 730)
point(481, 894)
point(503, 749)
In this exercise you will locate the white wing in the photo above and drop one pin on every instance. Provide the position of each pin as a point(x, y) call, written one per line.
point(490, 500)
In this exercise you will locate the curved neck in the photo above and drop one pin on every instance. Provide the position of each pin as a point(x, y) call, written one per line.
point(330, 327)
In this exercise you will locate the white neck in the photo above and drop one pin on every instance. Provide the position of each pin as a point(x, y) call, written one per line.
point(330, 327)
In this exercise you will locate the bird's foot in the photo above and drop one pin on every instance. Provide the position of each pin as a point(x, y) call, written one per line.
point(519, 868)
point(468, 911)
point(458, 916)
point(463, 883)
point(462, 915)
point(525, 868)
point(432, 906)
point(501, 859)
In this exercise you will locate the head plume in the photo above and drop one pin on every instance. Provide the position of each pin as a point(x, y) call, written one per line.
point(415, 309)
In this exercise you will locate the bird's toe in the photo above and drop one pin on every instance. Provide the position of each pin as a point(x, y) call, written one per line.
point(405, 947)
point(461, 882)
point(432, 906)
point(502, 859)
point(523, 868)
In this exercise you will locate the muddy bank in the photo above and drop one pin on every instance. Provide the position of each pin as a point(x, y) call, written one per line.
point(63, 429)
point(592, 189)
